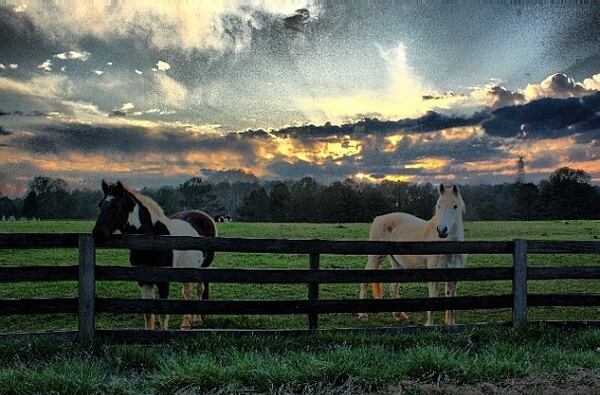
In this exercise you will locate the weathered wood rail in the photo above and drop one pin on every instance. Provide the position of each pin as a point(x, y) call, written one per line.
point(87, 304)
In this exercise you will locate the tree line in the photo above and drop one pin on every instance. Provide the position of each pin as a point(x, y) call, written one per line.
point(566, 194)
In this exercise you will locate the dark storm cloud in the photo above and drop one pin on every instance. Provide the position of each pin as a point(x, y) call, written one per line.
point(592, 138)
point(129, 140)
point(297, 21)
point(429, 122)
point(474, 149)
point(19, 113)
point(445, 95)
point(21, 41)
point(546, 118)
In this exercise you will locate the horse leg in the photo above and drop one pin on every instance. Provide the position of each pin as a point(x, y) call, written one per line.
point(163, 293)
point(186, 322)
point(197, 318)
point(398, 315)
point(450, 292)
point(433, 292)
point(148, 293)
point(395, 288)
point(373, 262)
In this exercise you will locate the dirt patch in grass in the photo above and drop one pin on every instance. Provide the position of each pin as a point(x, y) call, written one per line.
point(581, 383)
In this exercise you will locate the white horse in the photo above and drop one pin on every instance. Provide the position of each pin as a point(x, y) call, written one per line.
point(446, 224)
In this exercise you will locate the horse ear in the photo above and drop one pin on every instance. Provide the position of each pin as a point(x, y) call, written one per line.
point(105, 187)
point(455, 189)
point(119, 189)
point(441, 189)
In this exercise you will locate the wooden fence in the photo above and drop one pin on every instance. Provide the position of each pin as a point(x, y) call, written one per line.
point(87, 305)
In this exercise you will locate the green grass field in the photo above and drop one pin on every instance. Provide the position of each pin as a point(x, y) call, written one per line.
point(310, 364)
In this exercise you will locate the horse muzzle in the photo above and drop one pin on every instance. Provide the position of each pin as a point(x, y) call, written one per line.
point(442, 233)
point(100, 235)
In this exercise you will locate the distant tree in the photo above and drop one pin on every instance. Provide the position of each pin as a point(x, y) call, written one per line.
point(372, 202)
point(30, 203)
point(568, 194)
point(304, 205)
point(198, 195)
point(279, 202)
point(167, 197)
point(231, 195)
point(339, 202)
point(526, 201)
point(7, 207)
point(84, 204)
point(255, 206)
point(569, 176)
point(48, 198)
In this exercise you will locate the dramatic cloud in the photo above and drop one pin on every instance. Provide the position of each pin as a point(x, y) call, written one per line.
point(46, 65)
point(429, 122)
point(559, 86)
point(162, 66)
point(405, 94)
point(496, 96)
point(73, 55)
point(546, 118)
point(197, 24)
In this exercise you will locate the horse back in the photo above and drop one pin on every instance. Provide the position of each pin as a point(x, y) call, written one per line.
point(204, 226)
point(397, 227)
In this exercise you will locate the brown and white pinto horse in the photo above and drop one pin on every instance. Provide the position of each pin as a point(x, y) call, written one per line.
point(129, 212)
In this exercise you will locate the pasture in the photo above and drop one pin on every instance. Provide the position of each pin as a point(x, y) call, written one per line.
point(318, 363)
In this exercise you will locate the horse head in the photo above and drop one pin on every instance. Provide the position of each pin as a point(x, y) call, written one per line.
point(449, 210)
point(115, 207)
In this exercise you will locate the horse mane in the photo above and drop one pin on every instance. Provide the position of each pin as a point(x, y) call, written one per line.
point(156, 212)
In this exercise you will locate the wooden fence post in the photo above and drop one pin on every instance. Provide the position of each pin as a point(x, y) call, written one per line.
point(313, 291)
point(519, 285)
point(87, 284)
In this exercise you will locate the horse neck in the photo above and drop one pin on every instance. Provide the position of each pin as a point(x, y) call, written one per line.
point(458, 230)
point(144, 220)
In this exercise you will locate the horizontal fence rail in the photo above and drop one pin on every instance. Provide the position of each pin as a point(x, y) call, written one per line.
point(38, 306)
point(10, 274)
point(283, 307)
point(276, 246)
point(87, 273)
point(299, 276)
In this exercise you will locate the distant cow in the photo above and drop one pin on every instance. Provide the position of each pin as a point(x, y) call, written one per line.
point(222, 218)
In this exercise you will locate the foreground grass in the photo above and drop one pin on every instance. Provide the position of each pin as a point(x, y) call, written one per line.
point(549, 230)
point(325, 363)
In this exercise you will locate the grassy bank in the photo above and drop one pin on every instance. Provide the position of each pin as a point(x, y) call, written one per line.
point(310, 364)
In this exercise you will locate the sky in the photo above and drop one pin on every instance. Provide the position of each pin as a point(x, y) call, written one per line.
point(152, 93)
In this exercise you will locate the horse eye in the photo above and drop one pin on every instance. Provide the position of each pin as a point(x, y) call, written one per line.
point(455, 206)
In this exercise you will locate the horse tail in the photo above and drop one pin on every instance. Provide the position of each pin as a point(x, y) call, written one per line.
point(377, 291)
